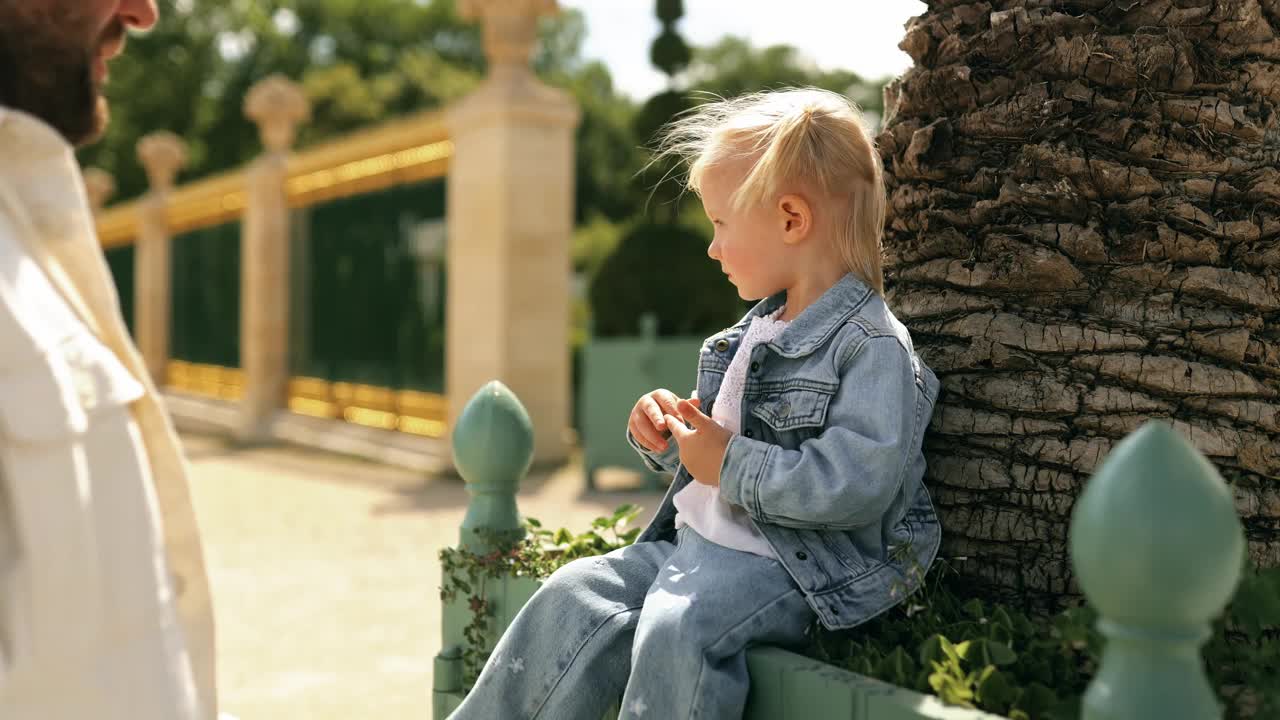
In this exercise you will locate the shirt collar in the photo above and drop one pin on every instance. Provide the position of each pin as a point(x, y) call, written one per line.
point(38, 170)
point(27, 137)
point(819, 321)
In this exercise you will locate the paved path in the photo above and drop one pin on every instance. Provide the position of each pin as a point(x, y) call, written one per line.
point(325, 576)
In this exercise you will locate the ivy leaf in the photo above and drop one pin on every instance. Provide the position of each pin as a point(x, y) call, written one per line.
point(1000, 618)
point(1257, 602)
point(1000, 634)
point(1000, 653)
point(931, 649)
point(922, 681)
point(994, 691)
point(1039, 699)
point(973, 609)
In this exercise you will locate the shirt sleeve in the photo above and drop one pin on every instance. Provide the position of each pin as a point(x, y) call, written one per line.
point(848, 475)
point(666, 461)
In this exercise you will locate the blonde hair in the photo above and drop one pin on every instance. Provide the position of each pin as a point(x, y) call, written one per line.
point(805, 137)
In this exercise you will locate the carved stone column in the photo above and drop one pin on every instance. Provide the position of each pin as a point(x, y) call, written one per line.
point(162, 154)
point(277, 105)
point(510, 218)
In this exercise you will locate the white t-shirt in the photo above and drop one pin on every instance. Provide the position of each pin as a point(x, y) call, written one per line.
point(700, 506)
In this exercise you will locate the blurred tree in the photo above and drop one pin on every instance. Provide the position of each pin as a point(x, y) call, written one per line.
point(367, 61)
point(732, 67)
point(361, 62)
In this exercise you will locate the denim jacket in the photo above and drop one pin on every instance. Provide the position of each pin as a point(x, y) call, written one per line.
point(829, 462)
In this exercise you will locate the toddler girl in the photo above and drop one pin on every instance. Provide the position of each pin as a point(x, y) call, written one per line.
point(797, 493)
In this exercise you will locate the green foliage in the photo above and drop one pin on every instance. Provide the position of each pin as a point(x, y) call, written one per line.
point(993, 657)
point(670, 53)
point(940, 640)
point(669, 11)
point(360, 62)
point(664, 270)
point(732, 67)
point(539, 554)
point(1243, 654)
point(593, 241)
point(363, 62)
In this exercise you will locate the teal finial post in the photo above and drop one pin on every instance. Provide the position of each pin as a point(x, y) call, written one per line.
point(492, 448)
point(1158, 550)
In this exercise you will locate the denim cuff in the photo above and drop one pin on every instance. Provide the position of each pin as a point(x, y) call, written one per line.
point(740, 473)
point(664, 461)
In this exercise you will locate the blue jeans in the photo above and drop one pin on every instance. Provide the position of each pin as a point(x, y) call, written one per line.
point(666, 626)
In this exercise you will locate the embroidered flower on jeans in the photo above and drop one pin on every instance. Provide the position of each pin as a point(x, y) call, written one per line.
point(638, 707)
point(517, 665)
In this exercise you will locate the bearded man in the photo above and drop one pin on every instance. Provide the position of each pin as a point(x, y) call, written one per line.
point(104, 601)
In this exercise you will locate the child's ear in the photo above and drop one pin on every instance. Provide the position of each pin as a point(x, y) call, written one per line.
point(796, 218)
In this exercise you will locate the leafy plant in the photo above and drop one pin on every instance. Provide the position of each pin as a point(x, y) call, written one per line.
point(540, 553)
point(622, 289)
point(939, 640)
point(995, 658)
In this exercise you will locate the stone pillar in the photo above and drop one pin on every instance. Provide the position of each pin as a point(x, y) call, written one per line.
point(277, 105)
point(162, 154)
point(99, 186)
point(510, 218)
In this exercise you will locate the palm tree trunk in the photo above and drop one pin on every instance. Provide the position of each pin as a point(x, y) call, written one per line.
point(1084, 233)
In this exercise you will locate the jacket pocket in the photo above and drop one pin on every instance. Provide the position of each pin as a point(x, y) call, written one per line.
point(793, 408)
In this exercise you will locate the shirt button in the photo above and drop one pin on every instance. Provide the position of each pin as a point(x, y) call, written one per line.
point(748, 433)
point(801, 555)
point(722, 345)
point(755, 367)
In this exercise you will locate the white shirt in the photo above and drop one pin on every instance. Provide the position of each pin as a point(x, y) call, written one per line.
point(700, 506)
point(91, 625)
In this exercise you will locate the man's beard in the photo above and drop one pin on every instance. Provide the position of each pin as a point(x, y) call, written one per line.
point(46, 70)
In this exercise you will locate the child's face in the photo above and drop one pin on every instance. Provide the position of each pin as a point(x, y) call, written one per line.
point(746, 243)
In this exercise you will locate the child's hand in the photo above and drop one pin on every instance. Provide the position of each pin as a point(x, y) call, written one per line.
point(702, 448)
point(647, 422)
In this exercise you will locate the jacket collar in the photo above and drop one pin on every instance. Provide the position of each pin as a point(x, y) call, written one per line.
point(39, 139)
point(819, 321)
point(42, 193)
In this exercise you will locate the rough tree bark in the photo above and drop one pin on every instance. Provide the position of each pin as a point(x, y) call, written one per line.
point(1084, 232)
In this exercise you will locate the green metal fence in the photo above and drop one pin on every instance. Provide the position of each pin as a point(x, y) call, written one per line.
point(206, 296)
point(369, 289)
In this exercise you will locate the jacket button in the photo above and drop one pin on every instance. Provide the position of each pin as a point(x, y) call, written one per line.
point(800, 555)
point(748, 433)
point(784, 409)
point(755, 367)
point(722, 345)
